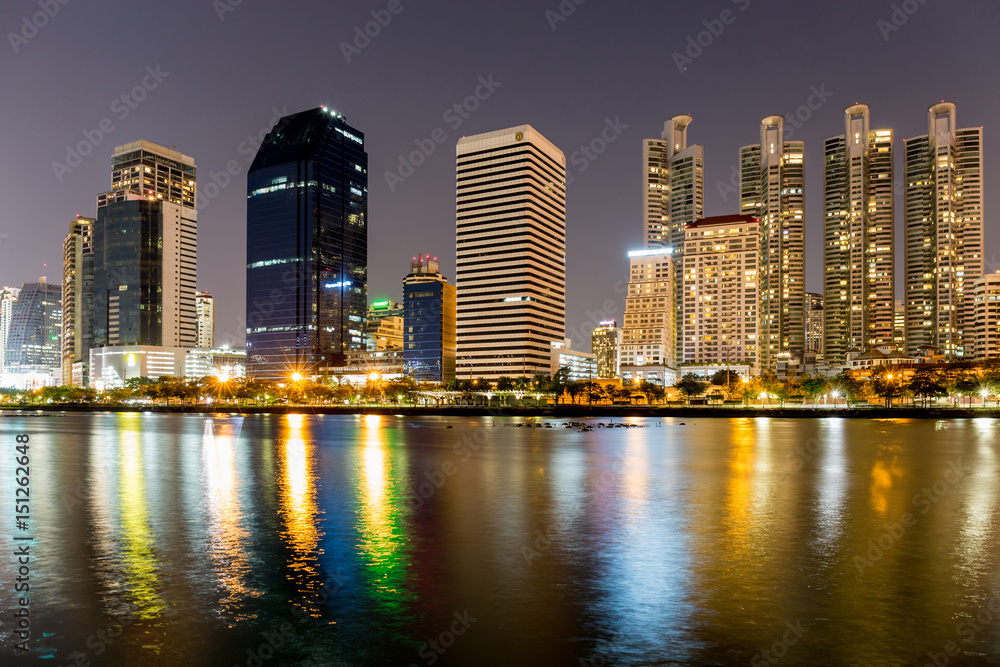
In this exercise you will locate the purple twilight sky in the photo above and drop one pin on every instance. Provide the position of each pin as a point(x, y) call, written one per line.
point(567, 68)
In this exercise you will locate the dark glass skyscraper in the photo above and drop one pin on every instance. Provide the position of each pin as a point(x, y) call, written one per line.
point(307, 246)
point(35, 328)
point(428, 323)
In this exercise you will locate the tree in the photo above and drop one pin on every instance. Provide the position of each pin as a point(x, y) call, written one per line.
point(725, 378)
point(814, 387)
point(654, 393)
point(559, 382)
point(690, 385)
point(926, 383)
point(505, 383)
point(622, 393)
point(886, 385)
point(966, 384)
point(574, 389)
point(848, 386)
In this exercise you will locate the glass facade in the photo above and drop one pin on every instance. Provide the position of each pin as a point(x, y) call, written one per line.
point(35, 328)
point(307, 246)
point(429, 331)
point(127, 274)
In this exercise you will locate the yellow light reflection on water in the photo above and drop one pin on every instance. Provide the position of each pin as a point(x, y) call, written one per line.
point(382, 538)
point(297, 507)
point(227, 533)
point(138, 542)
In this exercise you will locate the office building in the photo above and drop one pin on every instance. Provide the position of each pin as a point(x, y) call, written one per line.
point(384, 326)
point(8, 297)
point(858, 241)
point(204, 307)
point(33, 352)
point(77, 294)
point(986, 314)
point(649, 335)
point(899, 326)
point(307, 245)
point(606, 344)
point(429, 322)
point(815, 325)
point(944, 233)
point(772, 187)
point(511, 251)
point(580, 366)
point(112, 366)
point(145, 247)
point(720, 290)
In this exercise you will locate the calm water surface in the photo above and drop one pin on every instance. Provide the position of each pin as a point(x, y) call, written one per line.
point(341, 540)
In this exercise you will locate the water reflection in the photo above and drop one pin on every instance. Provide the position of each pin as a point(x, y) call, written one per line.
point(228, 535)
point(298, 510)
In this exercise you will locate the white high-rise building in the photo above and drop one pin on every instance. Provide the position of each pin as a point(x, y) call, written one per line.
point(858, 249)
point(204, 306)
point(720, 290)
point(986, 309)
point(511, 253)
point(76, 303)
point(8, 297)
point(649, 336)
point(944, 233)
point(772, 189)
point(673, 189)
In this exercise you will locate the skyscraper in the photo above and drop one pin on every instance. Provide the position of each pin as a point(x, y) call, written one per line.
point(33, 350)
point(511, 250)
point(986, 309)
point(307, 245)
point(77, 304)
point(606, 344)
point(673, 189)
point(944, 233)
point(8, 297)
point(429, 304)
point(145, 250)
point(858, 248)
point(649, 336)
point(204, 306)
point(772, 186)
point(720, 290)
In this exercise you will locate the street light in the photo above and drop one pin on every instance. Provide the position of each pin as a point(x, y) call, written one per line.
point(296, 377)
point(763, 395)
point(836, 395)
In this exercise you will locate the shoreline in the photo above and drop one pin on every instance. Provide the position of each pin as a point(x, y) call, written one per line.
point(553, 412)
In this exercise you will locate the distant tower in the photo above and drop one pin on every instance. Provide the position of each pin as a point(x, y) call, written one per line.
point(307, 246)
point(8, 297)
point(428, 322)
point(858, 242)
point(33, 346)
point(815, 325)
point(944, 233)
point(77, 295)
point(772, 186)
point(606, 343)
point(511, 238)
point(649, 336)
point(204, 305)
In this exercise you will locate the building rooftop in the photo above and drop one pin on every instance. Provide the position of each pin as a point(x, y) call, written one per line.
point(721, 220)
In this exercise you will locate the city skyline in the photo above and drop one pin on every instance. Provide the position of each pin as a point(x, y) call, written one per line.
point(572, 110)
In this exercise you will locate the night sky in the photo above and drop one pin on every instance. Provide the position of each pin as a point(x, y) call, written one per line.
point(220, 81)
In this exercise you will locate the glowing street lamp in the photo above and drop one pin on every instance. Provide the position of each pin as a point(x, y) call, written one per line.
point(296, 377)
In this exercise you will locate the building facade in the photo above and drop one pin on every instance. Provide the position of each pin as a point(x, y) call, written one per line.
point(384, 326)
point(307, 246)
point(204, 306)
point(772, 189)
point(511, 252)
point(673, 189)
point(33, 350)
point(815, 325)
point(145, 250)
point(606, 344)
point(986, 309)
point(8, 297)
point(429, 304)
point(944, 233)
point(649, 334)
point(858, 242)
point(720, 307)
point(77, 304)
point(580, 366)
